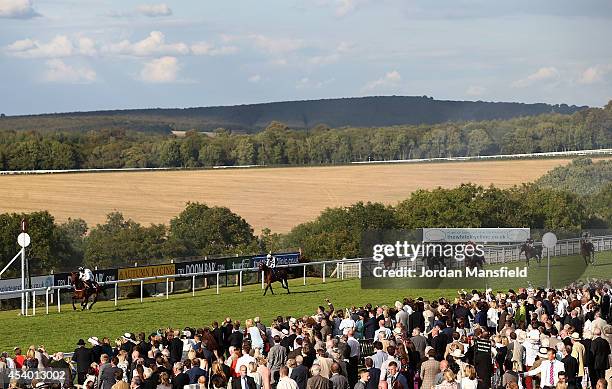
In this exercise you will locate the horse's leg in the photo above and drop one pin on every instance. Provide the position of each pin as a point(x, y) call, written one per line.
point(287, 287)
point(95, 299)
point(266, 289)
point(73, 300)
point(270, 285)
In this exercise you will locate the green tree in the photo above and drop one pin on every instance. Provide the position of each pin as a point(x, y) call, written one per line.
point(478, 142)
point(203, 230)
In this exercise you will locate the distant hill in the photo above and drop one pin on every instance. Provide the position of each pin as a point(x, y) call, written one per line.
point(372, 111)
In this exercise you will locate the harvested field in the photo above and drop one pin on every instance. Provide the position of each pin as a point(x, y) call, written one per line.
point(278, 198)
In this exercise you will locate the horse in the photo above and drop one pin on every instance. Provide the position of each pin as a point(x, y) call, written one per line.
point(587, 250)
point(82, 292)
point(531, 252)
point(271, 276)
point(476, 261)
point(432, 261)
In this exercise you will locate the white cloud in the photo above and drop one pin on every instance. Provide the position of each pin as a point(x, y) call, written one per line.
point(391, 79)
point(255, 78)
point(594, 74)
point(154, 44)
point(345, 7)
point(542, 74)
point(17, 9)
point(87, 46)
point(333, 57)
point(58, 71)
point(276, 45)
point(154, 10)
point(58, 47)
point(475, 90)
point(205, 48)
point(160, 70)
point(307, 83)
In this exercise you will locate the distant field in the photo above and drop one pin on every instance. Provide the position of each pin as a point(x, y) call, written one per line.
point(278, 198)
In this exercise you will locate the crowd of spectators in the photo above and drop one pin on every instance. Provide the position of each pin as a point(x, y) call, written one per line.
point(529, 338)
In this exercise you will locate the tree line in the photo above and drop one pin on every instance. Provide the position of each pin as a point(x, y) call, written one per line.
point(336, 233)
point(277, 144)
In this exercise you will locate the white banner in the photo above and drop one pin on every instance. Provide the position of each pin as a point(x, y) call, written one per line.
point(15, 284)
point(476, 235)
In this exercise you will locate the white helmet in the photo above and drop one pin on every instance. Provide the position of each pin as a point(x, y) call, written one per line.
point(269, 256)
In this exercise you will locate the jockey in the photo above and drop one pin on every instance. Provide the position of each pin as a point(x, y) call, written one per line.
point(86, 275)
point(529, 242)
point(586, 237)
point(271, 263)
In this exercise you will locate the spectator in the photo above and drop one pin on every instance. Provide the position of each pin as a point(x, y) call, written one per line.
point(284, 382)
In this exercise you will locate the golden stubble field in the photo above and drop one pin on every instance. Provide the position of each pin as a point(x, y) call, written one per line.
point(278, 198)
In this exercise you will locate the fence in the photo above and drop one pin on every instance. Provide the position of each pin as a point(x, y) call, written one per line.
point(340, 272)
point(342, 269)
point(511, 253)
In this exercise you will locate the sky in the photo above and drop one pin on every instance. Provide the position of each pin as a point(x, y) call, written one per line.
point(65, 55)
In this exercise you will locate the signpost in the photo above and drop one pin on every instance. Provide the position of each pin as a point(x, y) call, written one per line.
point(549, 240)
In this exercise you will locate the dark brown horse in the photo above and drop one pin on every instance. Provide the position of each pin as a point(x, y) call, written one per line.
point(82, 292)
point(587, 250)
point(531, 252)
point(270, 276)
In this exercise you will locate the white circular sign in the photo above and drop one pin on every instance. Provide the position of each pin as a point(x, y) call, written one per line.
point(23, 239)
point(549, 240)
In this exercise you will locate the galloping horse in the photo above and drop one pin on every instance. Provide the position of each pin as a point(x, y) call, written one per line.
point(82, 292)
point(531, 252)
point(587, 250)
point(271, 276)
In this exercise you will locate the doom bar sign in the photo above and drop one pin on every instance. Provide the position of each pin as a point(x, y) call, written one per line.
point(128, 273)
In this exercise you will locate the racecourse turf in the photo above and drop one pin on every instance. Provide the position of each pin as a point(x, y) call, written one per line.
point(60, 331)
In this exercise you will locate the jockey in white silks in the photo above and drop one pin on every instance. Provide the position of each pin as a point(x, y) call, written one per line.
point(86, 275)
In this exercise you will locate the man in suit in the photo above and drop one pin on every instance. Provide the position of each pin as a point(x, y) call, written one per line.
point(83, 358)
point(179, 379)
point(119, 382)
point(394, 379)
point(317, 381)
point(243, 381)
point(419, 341)
point(106, 375)
point(300, 373)
point(196, 371)
point(277, 357)
point(364, 379)
point(601, 352)
point(571, 367)
point(373, 374)
point(429, 369)
point(175, 346)
point(338, 381)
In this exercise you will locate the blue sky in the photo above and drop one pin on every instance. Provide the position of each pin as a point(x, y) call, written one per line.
point(65, 55)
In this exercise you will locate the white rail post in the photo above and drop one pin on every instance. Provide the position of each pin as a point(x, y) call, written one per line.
point(47, 301)
point(304, 275)
point(217, 283)
point(116, 293)
point(360, 262)
point(323, 272)
point(338, 270)
point(262, 279)
point(141, 290)
point(342, 268)
point(192, 286)
point(240, 280)
point(33, 303)
point(59, 306)
point(167, 286)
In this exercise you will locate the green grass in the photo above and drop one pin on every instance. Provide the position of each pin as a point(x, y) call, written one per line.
point(60, 331)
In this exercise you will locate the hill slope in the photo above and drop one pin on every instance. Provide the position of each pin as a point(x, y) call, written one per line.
point(357, 112)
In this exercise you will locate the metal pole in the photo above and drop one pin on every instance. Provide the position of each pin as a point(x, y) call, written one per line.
point(116, 293)
point(240, 278)
point(323, 272)
point(360, 269)
point(342, 268)
point(33, 303)
point(304, 275)
point(262, 280)
point(141, 290)
point(167, 287)
point(217, 283)
point(548, 269)
point(23, 297)
point(59, 307)
point(193, 286)
point(47, 301)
